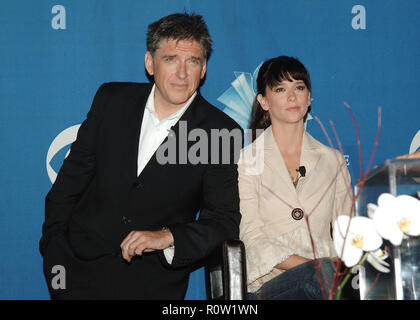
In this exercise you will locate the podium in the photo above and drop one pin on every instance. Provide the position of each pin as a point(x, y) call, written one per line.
point(395, 176)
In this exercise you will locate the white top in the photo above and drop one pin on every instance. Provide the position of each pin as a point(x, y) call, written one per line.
point(154, 131)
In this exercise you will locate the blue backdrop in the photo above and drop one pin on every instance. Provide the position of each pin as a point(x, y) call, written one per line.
point(55, 54)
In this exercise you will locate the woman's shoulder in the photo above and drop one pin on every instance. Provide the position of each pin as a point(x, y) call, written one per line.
point(327, 151)
point(251, 158)
point(264, 136)
point(314, 143)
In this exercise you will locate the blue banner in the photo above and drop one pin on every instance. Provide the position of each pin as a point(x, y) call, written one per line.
point(55, 54)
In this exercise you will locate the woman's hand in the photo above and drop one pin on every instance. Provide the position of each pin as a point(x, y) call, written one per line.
point(291, 262)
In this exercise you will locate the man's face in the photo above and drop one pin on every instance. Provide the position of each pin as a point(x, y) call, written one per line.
point(178, 67)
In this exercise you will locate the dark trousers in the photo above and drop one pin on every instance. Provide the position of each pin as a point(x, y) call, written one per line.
point(106, 277)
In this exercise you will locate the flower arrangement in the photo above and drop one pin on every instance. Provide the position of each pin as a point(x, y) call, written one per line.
point(360, 238)
point(357, 238)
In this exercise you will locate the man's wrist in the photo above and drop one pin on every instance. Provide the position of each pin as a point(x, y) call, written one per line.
point(169, 236)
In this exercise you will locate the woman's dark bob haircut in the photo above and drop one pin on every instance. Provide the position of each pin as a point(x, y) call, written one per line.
point(271, 73)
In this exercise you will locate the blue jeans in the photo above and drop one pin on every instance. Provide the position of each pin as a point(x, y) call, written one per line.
point(298, 283)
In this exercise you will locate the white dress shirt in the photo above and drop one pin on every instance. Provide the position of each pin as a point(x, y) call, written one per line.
point(153, 132)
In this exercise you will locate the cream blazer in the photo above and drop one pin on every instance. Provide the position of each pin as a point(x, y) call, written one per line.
point(268, 197)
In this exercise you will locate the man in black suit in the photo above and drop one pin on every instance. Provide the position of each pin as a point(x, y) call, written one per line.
point(120, 219)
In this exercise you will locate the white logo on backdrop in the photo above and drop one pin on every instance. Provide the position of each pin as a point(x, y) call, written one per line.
point(65, 138)
point(415, 143)
point(359, 20)
point(59, 20)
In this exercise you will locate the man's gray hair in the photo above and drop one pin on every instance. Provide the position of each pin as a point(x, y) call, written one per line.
point(179, 26)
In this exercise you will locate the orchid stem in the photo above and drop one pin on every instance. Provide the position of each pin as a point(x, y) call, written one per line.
point(347, 277)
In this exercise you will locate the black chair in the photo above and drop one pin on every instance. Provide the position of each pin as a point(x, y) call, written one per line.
point(226, 272)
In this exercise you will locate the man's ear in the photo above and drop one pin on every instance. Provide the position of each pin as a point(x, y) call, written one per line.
point(148, 62)
point(204, 69)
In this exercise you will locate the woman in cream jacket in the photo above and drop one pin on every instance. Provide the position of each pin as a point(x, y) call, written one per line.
point(289, 183)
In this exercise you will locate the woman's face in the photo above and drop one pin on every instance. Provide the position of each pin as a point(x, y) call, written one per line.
point(287, 101)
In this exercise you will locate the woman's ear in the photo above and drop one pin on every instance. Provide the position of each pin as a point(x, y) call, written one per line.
point(309, 99)
point(263, 102)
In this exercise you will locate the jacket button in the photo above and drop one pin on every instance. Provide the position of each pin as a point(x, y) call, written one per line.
point(126, 220)
point(137, 185)
point(297, 213)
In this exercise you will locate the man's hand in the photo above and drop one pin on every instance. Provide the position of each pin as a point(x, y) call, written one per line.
point(410, 156)
point(138, 242)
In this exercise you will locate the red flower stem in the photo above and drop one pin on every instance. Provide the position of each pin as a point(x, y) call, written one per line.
point(356, 128)
point(316, 261)
point(376, 141)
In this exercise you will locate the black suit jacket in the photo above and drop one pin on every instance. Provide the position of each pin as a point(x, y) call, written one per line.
point(97, 199)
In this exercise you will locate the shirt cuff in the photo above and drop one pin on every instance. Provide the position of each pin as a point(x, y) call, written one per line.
point(169, 253)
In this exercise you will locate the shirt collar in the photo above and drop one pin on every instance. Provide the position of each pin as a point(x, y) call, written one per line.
point(150, 105)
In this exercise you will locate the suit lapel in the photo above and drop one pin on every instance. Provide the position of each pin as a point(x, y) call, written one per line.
point(140, 104)
point(310, 158)
point(275, 176)
point(193, 116)
point(310, 154)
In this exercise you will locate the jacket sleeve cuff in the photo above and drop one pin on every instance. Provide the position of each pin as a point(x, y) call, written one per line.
point(263, 256)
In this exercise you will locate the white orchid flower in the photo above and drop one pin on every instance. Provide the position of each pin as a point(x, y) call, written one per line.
point(371, 208)
point(376, 259)
point(361, 237)
point(396, 217)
